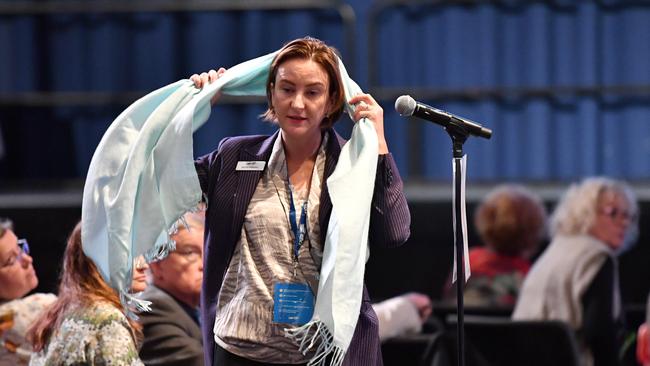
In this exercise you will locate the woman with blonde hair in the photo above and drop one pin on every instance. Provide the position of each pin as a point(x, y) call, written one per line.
point(575, 280)
point(87, 324)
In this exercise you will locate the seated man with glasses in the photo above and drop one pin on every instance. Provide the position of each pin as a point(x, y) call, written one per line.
point(17, 278)
point(172, 334)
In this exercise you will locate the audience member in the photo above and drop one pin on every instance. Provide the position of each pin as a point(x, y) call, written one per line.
point(402, 314)
point(511, 222)
point(576, 278)
point(86, 324)
point(17, 278)
point(139, 281)
point(643, 339)
point(172, 333)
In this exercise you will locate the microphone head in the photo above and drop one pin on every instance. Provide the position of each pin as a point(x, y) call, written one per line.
point(405, 105)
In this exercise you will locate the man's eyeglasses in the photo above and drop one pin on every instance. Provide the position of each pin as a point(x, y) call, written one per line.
point(24, 249)
point(190, 255)
point(617, 214)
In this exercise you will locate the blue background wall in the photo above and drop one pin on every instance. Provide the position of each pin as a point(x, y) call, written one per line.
point(566, 88)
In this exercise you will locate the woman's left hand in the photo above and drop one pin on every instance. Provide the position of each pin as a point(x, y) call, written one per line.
point(367, 107)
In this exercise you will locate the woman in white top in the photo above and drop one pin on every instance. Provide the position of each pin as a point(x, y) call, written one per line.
point(576, 278)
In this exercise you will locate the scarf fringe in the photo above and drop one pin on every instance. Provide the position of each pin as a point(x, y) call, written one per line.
point(307, 335)
point(158, 253)
point(133, 305)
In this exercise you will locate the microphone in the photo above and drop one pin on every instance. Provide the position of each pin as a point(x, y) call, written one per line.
point(407, 106)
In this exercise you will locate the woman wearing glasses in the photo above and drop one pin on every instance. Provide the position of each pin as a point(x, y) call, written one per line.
point(17, 278)
point(575, 280)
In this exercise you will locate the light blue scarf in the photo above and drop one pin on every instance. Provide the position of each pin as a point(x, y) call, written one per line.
point(142, 179)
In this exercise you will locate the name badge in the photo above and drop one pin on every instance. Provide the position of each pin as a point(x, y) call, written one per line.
point(293, 303)
point(250, 165)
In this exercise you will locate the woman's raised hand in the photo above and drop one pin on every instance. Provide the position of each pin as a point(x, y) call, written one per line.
point(367, 107)
point(205, 78)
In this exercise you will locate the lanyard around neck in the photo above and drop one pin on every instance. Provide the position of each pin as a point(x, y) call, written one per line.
point(299, 229)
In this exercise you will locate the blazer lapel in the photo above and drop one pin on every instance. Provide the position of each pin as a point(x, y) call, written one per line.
point(247, 180)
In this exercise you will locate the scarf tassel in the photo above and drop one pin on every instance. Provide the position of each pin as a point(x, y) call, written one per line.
point(133, 305)
point(161, 251)
point(307, 335)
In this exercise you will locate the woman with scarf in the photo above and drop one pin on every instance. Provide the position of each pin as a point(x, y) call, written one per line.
point(268, 212)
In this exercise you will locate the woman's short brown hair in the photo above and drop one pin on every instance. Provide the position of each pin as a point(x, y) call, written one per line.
point(309, 48)
point(511, 220)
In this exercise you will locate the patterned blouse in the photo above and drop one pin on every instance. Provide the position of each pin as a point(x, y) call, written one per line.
point(96, 335)
point(496, 279)
point(244, 323)
point(14, 349)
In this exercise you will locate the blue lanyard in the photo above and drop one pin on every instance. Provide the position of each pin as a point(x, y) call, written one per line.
point(298, 231)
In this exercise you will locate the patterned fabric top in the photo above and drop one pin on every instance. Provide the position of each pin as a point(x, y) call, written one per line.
point(14, 349)
point(244, 321)
point(96, 335)
point(496, 278)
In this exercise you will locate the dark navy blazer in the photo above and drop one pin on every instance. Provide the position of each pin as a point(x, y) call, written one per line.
point(229, 192)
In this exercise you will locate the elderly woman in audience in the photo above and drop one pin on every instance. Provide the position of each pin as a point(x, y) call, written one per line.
point(511, 222)
point(17, 311)
point(87, 324)
point(575, 280)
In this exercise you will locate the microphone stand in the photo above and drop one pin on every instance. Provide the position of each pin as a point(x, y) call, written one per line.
point(459, 134)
